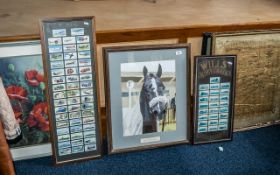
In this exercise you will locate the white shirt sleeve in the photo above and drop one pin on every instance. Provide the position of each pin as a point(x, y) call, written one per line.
point(7, 116)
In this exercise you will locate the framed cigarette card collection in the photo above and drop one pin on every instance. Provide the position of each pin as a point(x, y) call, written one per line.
point(214, 87)
point(69, 54)
point(148, 100)
point(147, 96)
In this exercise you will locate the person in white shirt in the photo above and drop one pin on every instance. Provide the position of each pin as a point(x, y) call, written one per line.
point(7, 117)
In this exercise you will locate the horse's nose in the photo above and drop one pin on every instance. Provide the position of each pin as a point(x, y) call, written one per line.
point(156, 111)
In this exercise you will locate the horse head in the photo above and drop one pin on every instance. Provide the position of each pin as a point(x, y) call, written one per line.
point(152, 99)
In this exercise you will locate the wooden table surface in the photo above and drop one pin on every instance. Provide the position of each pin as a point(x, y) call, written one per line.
point(21, 17)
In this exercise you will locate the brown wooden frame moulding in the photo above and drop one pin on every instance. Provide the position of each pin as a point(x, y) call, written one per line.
point(115, 36)
point(241, 33)
point(214, 93)
point(110, 83)
point(78, 36)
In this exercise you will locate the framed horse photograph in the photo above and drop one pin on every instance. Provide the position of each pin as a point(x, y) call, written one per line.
point(147, 96)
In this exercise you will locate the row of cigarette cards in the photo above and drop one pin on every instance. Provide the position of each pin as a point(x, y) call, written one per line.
point(213, 106)
point(71, 76)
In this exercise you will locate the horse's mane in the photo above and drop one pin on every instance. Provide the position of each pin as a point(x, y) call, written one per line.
point(144, 106)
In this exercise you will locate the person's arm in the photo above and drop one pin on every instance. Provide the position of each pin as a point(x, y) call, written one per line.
point(7, 117)
point(6, 161)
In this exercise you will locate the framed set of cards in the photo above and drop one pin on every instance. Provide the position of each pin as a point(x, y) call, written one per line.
point(147, 93)
point(69, 57)
point(213, 98)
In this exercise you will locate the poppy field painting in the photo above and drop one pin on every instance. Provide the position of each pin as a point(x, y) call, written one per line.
point(23, 79)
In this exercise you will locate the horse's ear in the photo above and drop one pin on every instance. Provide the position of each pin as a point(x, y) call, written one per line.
point(145, 71)
point(159, 72)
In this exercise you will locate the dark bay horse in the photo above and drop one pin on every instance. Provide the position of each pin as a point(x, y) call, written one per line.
point(153, 103)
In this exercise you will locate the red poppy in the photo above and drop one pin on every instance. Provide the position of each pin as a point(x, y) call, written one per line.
point(33, 77)
point(38, 117)
point(18, 112)
point(18, 116)
point(16, 92)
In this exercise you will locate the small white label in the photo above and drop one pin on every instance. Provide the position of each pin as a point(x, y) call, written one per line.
point(150, 139)
point(86, 23)
point(179, 52)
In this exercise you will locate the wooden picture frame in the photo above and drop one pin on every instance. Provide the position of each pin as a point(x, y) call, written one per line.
point(69, 57)
point(128, 123)
point(21, 62)
point(214, 91)
point(257, 84)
